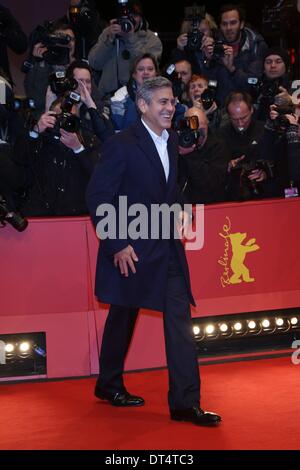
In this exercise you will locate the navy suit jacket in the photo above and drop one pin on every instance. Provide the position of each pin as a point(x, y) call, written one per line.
point(130, 166)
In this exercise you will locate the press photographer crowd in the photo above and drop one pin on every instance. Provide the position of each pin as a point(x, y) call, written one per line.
point(236, 113)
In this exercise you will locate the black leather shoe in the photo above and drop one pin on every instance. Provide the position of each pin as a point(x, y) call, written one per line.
point(120, 398)
point(196, 415)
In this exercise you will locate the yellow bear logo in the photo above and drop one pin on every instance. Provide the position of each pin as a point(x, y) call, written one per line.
point(239, 252)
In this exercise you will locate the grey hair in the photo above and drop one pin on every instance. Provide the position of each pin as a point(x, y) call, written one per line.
point(145, 92)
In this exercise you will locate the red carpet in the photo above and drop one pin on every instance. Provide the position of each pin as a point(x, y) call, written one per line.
point(258, 400)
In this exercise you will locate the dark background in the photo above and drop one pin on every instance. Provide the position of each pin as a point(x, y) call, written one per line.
point(167, 16)
point(163, 17)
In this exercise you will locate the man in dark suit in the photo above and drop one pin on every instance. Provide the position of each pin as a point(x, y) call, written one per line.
point(146, 272)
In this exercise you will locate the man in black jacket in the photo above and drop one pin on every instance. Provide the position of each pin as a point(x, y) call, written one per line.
point(12, 36)
point(57, 165)
point(203, 166)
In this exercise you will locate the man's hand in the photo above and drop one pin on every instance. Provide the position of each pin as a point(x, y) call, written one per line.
point(212, 109)
point(50, 98)
point(183, 224)
point(114, 29)
point(207, 46)
point(292, 118)
point(257, 176)
point(186, 150)
point(85, 95)
point(70, 140)
point(228, 58)
point(39, 50)
point(283, 98)
point(233, 163)
point(124, 259)
point(273, 113)
point(46, 120)
point(182, 41)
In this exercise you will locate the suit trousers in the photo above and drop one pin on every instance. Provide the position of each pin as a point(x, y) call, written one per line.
point(184, 378)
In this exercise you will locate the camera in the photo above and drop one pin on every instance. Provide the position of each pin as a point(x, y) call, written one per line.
point(125, 18)
point(195, 15)
point(66, 120)
point(11, 102)
point(188, 131)
point(58, 52)
point(60, 84)
point(281, 123)
point(15, 219)
point(177, 84)
point(81, 14)
point(219, 50)
point(246, 167)
point(263, 91)
point(209, 95)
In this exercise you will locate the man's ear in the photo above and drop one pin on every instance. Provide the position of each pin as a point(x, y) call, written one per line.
point(142, 105)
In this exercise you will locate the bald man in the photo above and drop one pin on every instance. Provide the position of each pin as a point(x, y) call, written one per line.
point(203, 166)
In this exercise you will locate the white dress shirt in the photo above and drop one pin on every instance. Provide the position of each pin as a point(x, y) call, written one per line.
point(161, 144)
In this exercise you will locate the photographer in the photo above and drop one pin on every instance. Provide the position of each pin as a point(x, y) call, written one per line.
point(273, 82)
point(94, 115)
point(202, 93)
point(249, 169)
point(203, 160)
point(57, 157)
point(127, 38)
point(293, 147)
point(11, 126)
point(196, 26)
point(12, 36)
point(236, 53)
point(282, 143)
point(52, 49)
point(87, 25)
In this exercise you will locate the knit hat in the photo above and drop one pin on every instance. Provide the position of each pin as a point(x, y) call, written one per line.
point(276, 50)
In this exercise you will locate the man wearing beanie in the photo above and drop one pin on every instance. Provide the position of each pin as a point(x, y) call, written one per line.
point(276, 64)
point(116, 50)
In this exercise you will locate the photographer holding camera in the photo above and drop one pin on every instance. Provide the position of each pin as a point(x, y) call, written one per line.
point(273, 81)
point(57, 158)
point(11, 126)
point(93, 114)
point(203, 160)
point(250, 172)
point(12, 36)
point(127, 38)
point(282, 143)
point(235, 53)
point(87, 25)
point(196, 26)
point(202, 93)
point(52, 49)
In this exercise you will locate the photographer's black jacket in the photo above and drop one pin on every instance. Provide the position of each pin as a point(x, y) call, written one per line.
point(202, 173)
point(55, 178)
point(12, 36)
point(264, 101)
